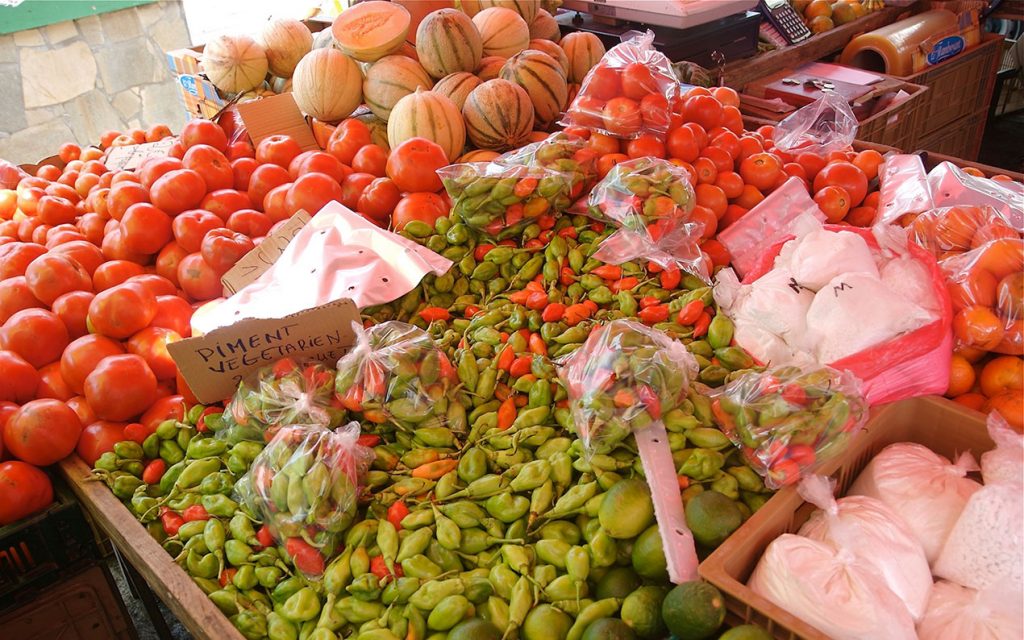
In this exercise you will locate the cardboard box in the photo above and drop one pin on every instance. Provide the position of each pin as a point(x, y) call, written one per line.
point(201, 98)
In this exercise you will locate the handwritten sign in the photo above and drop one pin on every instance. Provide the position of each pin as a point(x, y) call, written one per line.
point(132, 156)
point(256, 262)
point(214, 364)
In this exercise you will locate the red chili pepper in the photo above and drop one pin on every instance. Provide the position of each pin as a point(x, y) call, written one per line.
point(648, 301)
point(137, 432)
point(396, 512)
point(546, 221)
point(690, 313)
point(471, 310)
point(171, 522)
point(546, 235)
point(481, 251)
point(379, 568)
point(195, 512)
point(671, 277)
point(650, 399)
point(537, 300)
point(700, 327)
point(368, 440)
point(506, 358)
point(226, 576)
point(520, 366)
point(590, 305)
point(520, 297)
point(553, 312)
point(537, 345)
point(283, 367)
point(794, 394)
point(597, 227)
point(201, 423)
point(265, 537)
point(507, 413)
point(534, 243)
point(567, 232)
point(502, 335)
point(654, 315)
point(154, 471)
point(575, 314)
point(430, 314)
point(608, 272)
point(306, 558)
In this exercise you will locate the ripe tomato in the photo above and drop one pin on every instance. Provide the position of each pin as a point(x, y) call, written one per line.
point(348, 138)
point(241, 169)
point(719, 157)
point(252, 223)
point(120, 387)
point(834, 202)
point(72, 309)
point(608, 161)
point(197, 279)
point(712, 197)
point(275, 205)
point(167, 408)
point(155, 284)
point(145, 229)
point(37, 335)
point(621, 116)
point(264, 178)
point(52, 384)
point(42, 432)
point(15, 296)
point(222, 248)
point(704, 110)
point(212, 165)
point(152, 168)
point(85, 253)
point(52, 275)
point(277, 149)
point(151, 345)
point(174, 313)
point(706, 171)
point(189, 228)
point(167, 261)
point(91, 226)
point(311, 192)
point(604, 83)
point(113, 248)
point(682, 144)
point(707, 218)
point(18, 378)
point(122, 310)
point(379, 199)
point(761, 170)
point(240, 149)
point(426, 207)
point(372, 159)
point(317, 162)
point(203, 132)
point(811, 162)
point(353, 187)
point(223, 202)
point(586, 111)
point(98, 438)
point(638, 81)
point(603, 144)
point(82, 409)
point(24, 490)
point(646, 144)
point(727, 96)
point(178, 191)
point(845, 175)
point(654, 112)
point(69, 151)
point(16, 256)
point(113, 273)
point(158, 132)
point(413, 165)
point(55, 210)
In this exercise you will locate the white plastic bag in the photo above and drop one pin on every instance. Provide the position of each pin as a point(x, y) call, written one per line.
point(903, 188)
point(927, 490)
point(834, 591)
point(959, 613)
point(826, 125)
point(821, 255)
point(879, 538)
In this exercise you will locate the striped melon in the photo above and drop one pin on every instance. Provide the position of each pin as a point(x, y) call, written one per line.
point(429, 115)
point(584, 50)
point(553, 50)
point(499, 115)
point(542, 78)
point(503, 31)
point(285, 40)
point(447, 42)
point(490, 67)
point(389, 80)
point(545, 27)
point(457, 86)
point(368, 31)
point(235, 64)
point(526, 8)
point(378, 129)
point(477, 155)
point(326, 85)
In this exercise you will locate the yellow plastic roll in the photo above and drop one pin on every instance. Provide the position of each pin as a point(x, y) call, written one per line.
point(890, 49)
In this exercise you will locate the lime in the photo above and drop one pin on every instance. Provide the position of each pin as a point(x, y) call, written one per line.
point(545, 622)
point(746, 632)
point(712, 517)
point(693, 610)
point(626, 509)
point(608, 629)
point(474, 629)
point(619, 582)
point(640, 611)
point(649, 556)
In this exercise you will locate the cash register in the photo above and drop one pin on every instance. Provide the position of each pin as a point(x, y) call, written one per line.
point(700, 31)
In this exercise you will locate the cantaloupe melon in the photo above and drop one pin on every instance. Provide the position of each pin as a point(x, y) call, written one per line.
point(584, 50)
point(477, 155)
point(545, 27)
point(490, 67)
point(327, 85)
point(235, 64)
point(429, 115)
point(553, 50)
point(368, 31)
point(324, 39)
point(457, 86)
point(499, 115)
point(447, 41)
point(285, 40)
point(543, 80)
point(389, 80)
point(526, 8)
point(503, 31)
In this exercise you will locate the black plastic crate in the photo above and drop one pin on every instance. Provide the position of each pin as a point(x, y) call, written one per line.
point(33, 551)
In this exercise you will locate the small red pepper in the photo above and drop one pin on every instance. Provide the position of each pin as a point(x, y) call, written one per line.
point(226, 576)
point(154, 471)
point(648, 301)
point(671, 278)
point(653, 315)
point(430, 314)
point(380, 569)
point(283, 367)
point(470, 310)
point(520, 366)
point(700, 327)
point(690, 313)
point(368, 440)
point(306, 558)
point(171, 522)
point(195, 512)
point(396, 513)
point(481, 251)
point(201, 423)
point(553, 312)
point(265, 537)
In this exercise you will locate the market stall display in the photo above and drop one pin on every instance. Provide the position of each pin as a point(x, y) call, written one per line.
point(559, 320)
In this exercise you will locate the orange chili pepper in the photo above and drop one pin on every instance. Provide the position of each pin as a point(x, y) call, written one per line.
point(537, 345)
point(507, 413)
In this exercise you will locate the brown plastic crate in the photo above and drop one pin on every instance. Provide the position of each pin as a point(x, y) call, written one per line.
point(87, 606)
point(931, 159)
point(961, 138)
point(897, 125)
point(944, 426)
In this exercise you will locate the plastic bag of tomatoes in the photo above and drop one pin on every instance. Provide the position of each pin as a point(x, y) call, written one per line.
point(650, 202)
point(826, 125)
point(628, 93)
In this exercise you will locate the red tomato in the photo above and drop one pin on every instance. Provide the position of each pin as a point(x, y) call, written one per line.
point(707, 218)
point(704, 110)
point(158, 132)
point(761, 170)
point(353, 187)
point(654, 112)
point(122, 310)
point(120, 387)
point(145, 228)
point(212, 165)
point(621, 116)
point(317, 162)
point(82, 409)
point(250, 222)
point(638, 81)
point(91, 226)
point(277, 149)
point(372, 159)
point(426, 207)
point(69, 151)
point(311, 192)
point(174, 313)
point(264, 178)
point(52, 384)
point(275, 205)
point(223, 202)
point(203, 132)
point(16, 256)
point(167, 261)
point(123, 195)
point(98, 438)
point(24, 490)
point(240, 149)
point(348, 138)
point(42, 432)
point(189, 228)
point(604, 83)
point(113, 273)
point(151, 344)
point(645, 145)
point(178, 191)
point(833, 201)
point(845, 175)
point(55, 210)
point(379, 199)
point(37, 335)
point(18, 378)
point(586, 111)
point(222, 248)
point(85, 253)
point(52, 275)
point(413, 165)
point(197, 279)
point(73, 308)
point(241, 169)
point(167, 408)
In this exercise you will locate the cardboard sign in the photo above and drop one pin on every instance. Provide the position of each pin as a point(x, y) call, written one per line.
point(214, 364)
point(132, 156)
point(256, 262)
point(277, 115)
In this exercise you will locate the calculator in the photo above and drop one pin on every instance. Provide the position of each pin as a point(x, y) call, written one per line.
point(785, 18)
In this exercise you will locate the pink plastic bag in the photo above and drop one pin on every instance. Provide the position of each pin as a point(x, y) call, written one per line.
point(826, 125)
point(914, 364)
point(903, 188)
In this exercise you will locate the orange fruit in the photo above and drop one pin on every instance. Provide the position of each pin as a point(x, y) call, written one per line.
point(955, 228)
point(975, 287)
point(1010, 405)
point(1010, 296)
point(1013, 338)
point(961, 377)
point(971, 171)
point(993, 230)
point(974, 401)
point(1002, 257)
point(971, 354)
point(821, 24)
point(1002, 375)
point(818, 8)
point(868, 161)
point(978, 327)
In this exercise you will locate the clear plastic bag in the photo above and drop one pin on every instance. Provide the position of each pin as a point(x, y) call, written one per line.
point(305, 484)
point(287, 393)
point(950, 185)
point(396, 374)
point(624, 377)
point(948, 231)
point(650, 201)
point(876, 535)
point(627, 93)
point(958, 613)
point(561, 152)
point(903, 188)
point(788, 419)
point(826, 125)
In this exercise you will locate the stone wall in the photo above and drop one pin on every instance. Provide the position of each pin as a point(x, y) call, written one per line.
point(74, 80)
